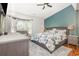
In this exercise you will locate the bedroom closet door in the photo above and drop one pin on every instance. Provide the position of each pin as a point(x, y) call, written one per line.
point(2, 16)
point(2, 23)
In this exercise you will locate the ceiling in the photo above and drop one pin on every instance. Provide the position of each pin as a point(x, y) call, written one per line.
point(32, 10)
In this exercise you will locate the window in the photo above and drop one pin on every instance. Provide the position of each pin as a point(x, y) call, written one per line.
point(23, 25)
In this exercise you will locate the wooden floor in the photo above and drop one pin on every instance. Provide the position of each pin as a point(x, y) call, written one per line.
point(75, 50)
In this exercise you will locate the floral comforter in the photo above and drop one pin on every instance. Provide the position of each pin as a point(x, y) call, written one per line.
point(51, 38)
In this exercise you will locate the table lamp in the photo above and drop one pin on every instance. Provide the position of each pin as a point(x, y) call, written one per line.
point(71, 28)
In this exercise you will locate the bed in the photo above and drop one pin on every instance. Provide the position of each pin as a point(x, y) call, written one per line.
point(36, 48)
point(60, 28)
point(14, 44)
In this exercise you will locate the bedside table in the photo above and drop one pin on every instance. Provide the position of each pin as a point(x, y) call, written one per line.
point(73, 39)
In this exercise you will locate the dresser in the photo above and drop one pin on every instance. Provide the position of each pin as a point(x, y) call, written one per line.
point(73, 39)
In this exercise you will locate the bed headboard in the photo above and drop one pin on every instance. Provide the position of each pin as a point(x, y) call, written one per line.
point(60, 28)
point(50, 28)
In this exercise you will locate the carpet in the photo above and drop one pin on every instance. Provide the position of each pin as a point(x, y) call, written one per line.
point(62, 51)
point(35, 50)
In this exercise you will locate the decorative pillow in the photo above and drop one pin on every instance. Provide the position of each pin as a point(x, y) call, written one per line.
point(63, 34)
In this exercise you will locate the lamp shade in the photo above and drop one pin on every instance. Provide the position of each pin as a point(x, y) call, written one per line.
point(71, 27)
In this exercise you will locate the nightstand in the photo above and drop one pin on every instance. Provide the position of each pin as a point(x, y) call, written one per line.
point(73, 39)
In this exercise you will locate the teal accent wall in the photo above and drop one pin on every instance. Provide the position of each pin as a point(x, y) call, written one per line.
point(63, 18)
point(77, 22)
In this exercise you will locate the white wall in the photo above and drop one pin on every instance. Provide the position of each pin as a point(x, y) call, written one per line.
point(7, 24)
point(38, 24)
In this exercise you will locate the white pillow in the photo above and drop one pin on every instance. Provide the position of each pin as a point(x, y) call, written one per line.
point(63, 34)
